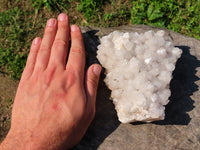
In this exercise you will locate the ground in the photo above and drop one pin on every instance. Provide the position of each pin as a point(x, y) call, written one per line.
point(7, 93)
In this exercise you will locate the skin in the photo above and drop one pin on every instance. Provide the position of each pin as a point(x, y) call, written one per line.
point(55, 101)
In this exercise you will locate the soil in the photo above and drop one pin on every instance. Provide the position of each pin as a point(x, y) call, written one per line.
point(7, 93)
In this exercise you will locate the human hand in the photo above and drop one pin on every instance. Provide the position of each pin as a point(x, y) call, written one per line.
point(55, 101)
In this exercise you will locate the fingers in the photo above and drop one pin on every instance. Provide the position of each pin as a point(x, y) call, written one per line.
point(60, 46)
point(76, 58)
point(31, 58)
point(54, 47)
point(92, 80)
point(45, 48)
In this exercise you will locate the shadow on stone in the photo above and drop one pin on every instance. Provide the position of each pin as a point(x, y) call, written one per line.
point(105, 121)
point(182, 87)
point(91, 42)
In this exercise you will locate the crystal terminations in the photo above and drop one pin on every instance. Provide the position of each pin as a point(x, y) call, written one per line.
point(138, 72)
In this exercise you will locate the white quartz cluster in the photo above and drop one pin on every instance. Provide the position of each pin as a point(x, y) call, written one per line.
point(138, 72)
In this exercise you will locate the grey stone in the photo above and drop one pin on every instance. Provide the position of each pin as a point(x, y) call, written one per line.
point(181, 128)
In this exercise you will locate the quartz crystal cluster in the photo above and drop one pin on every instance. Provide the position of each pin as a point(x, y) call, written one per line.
point(138, 72)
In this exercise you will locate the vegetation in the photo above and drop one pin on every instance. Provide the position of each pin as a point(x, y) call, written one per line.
point(14, 32)
point(52, 5)
point(180, 16)
point(21, 21)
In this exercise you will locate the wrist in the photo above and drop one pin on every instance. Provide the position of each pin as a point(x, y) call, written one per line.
point(9, 143)
point(14, 141)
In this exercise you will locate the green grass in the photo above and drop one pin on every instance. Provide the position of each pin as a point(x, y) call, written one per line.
point(180, 16)
point(22, 20)
point(13, 40)
point(59, 5)
point(90, 8)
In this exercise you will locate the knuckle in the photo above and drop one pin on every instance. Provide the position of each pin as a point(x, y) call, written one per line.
point(49, 30)
point(77, 50)
point(93, 82)
point(59, 42)
point(33, 51)
point(70, 79)
point(62, 25)
point(44, 48)
point(29, 65)
point(49, 74)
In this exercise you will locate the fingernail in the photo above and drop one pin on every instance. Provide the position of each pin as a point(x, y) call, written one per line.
point(51, 22)
point(62, 17)
point(74, 28)
point(97, 70)
point(36, 41)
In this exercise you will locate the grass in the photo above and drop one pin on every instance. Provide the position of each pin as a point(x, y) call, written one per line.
point(180, 16)
point(13, 41)
point(21, 21)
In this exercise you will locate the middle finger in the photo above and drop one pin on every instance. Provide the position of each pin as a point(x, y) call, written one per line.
point(60, 45)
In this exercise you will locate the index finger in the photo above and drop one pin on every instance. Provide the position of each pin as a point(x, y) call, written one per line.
point(76, 59)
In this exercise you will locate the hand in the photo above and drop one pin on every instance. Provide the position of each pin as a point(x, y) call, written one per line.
point(55, 101)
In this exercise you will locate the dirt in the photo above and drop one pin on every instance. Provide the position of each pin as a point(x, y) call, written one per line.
point(7, 93)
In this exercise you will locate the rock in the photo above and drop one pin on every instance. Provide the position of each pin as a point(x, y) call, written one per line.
point(181, 127)
point(138, 71)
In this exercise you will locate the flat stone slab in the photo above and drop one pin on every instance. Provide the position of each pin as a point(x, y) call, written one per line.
point(181, 128)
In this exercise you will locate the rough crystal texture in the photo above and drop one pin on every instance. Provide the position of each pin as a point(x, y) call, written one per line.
point(138, 72)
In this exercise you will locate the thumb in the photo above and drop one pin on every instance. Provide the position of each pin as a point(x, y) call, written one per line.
point(92, 80)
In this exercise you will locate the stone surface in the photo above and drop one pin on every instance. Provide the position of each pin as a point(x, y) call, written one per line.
point(181, 128)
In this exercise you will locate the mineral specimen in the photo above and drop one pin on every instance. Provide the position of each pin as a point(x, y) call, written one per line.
point(138, 72)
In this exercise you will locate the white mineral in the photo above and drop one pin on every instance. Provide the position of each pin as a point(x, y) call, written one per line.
point(138, 72)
